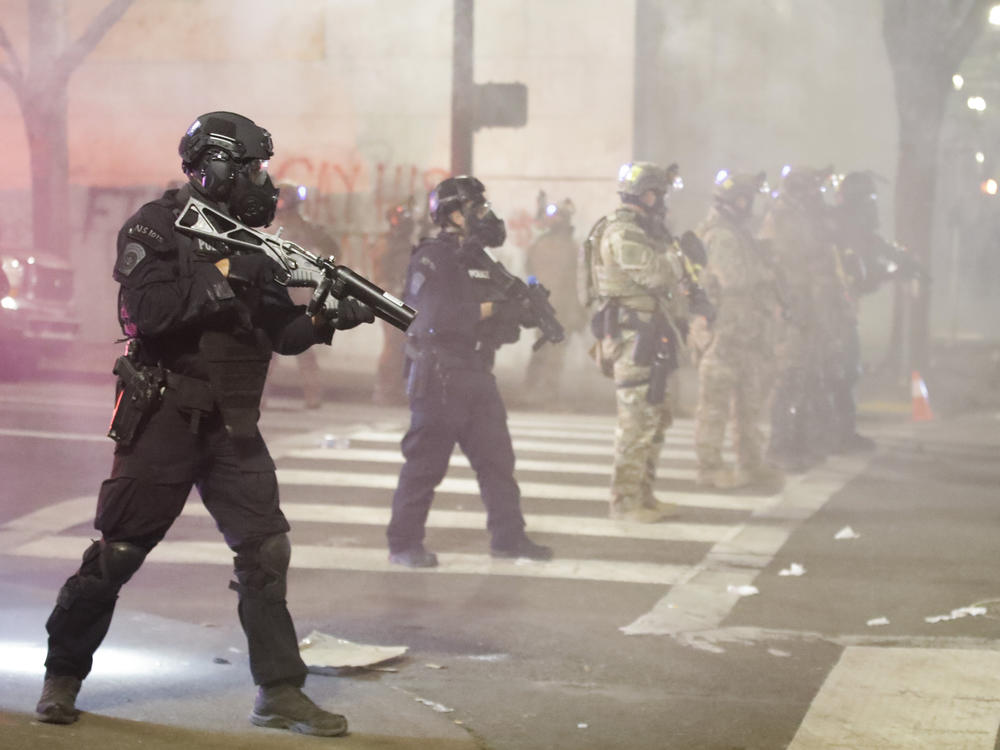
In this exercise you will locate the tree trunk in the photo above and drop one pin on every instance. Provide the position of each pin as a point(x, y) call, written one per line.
point(921, 106)
point(45, 121)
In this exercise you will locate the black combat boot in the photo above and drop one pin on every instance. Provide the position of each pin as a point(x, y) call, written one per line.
point(285, 706)
point(57, 705)
point(522, 547)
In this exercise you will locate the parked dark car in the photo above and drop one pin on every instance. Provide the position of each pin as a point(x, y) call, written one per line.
point(36, 313)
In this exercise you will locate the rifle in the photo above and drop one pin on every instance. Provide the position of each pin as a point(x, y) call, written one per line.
point(691, 252)
point(302, 267)
point(533, 295)
point(897, 263)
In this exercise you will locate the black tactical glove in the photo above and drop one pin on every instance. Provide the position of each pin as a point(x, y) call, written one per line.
point(255, 269)
point(350, 313)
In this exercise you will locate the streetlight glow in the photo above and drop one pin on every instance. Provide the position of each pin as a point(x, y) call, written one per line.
point(957, 81)
point(990, 187)
point(976, 103)
point(980, 157)
point(995, 15)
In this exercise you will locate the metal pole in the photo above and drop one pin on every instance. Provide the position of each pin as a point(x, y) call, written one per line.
point(462, 89)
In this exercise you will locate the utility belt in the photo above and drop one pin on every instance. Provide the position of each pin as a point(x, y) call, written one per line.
point(655, 344)
point(142, 388)
point(427, 364)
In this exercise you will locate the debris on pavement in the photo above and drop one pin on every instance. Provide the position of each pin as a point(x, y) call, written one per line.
point(877, 621)
point(847, 533)
point(956, 614)
point(324, 651)
point(792, 570)
point(744, 590)
point(440, 708)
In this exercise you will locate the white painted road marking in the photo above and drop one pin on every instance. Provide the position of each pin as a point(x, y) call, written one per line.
point(464, 519)
point(376, 560)
point(562, 447)
point(905, 699)
point(532, 490)
point(394, 456)
point(88, 437)
point(707, 595)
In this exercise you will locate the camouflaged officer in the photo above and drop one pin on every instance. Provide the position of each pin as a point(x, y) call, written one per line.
point(731, 371)
point(636, 277)
point(794, 234)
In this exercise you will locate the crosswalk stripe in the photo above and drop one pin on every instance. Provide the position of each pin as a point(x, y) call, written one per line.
point(592, 435)
point(563, 447)
point(389, 456)
point(895, 698)
point(319, 557)
point(463, 519)
point(85, 437)
point(529, 490)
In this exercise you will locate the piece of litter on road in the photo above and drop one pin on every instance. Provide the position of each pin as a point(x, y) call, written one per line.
point(220, 660)
point(324, 650)
point(846, 533)
point(956, 614)
point(778, 652)
point(441, 709)
point(744, 590)
point(792, 570)
point(581, 725)
point(876, 621)
point(434, 666)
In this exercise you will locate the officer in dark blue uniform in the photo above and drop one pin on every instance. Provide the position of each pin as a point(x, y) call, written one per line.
point(202, 324)
point(461, 321)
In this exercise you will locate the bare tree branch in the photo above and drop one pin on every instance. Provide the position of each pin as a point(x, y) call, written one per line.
point(108, 17)
point(14, 74)
point(967, 27)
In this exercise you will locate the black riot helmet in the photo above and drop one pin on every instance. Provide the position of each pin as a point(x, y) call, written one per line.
point(803, 187)
point(225, 157)
point(857, 197)
point(734, 192)
point(467, 195)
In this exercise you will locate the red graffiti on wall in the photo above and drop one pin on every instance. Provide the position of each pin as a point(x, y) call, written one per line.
point(338, 186)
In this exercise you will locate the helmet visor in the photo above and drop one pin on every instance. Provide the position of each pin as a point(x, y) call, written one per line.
point(255, 170)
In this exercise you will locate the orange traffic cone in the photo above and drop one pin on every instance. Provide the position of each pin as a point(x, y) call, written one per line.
point(918, 393)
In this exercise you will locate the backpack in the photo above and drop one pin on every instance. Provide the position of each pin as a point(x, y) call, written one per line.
point(586, 288)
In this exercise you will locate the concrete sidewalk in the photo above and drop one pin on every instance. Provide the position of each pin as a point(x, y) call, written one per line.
point(195, 693)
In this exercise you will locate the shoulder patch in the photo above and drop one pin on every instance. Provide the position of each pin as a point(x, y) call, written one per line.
point(479, 273)
point(142, 230)
point(424, 260)
point(131, 256)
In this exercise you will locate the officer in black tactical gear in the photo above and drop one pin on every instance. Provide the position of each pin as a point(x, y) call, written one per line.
point(461, 322)
point(202, 322)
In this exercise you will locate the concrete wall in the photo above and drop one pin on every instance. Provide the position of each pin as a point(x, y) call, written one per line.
point(357, 96)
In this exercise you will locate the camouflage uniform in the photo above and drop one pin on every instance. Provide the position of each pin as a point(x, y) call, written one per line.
point(731, 371)
point(793, 231)
point(552, 258)
point(635, 270)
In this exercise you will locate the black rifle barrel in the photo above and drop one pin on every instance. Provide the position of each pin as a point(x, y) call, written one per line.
point(384, 305)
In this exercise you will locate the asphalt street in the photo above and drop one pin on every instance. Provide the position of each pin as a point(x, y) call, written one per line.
point(857, 607)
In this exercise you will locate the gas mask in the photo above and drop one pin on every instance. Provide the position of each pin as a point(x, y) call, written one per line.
point(254, 198)
point(483, 225)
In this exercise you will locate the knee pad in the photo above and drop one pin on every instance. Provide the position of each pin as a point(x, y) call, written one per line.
point(262, 568)
point(106, 567)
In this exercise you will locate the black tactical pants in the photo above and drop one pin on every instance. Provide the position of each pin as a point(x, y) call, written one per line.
point(463, 407)
point(146, 492)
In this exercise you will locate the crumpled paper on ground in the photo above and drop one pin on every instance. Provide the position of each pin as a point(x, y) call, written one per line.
point(324, 651)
